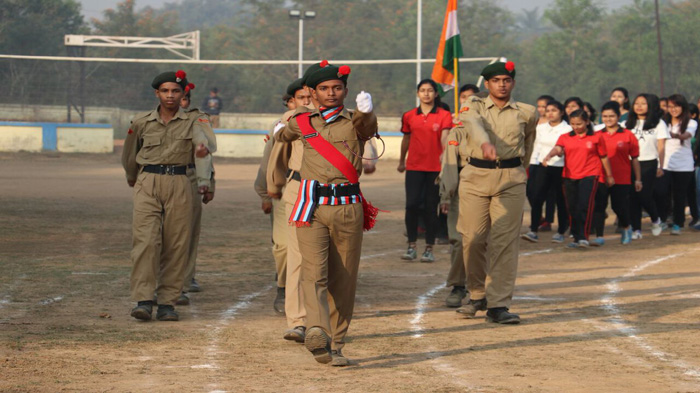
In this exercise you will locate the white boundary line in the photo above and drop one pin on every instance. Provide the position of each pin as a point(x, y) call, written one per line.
point(215, 333)
point(610, 305)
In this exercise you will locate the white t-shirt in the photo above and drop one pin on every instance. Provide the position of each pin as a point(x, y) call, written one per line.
point(679, 155)
point(648, 148)
point(545, 140)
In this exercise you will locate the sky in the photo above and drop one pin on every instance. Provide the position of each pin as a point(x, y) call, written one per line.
point(94, 8)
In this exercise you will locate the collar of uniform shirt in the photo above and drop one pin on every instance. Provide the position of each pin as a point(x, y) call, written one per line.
point(511, 103)
point(155, 115)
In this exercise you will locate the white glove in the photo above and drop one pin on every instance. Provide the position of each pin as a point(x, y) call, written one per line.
point(364, 102)
point(278, 127)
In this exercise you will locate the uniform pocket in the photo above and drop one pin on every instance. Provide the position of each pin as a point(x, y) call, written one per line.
point(151, 146)
point(183, 143)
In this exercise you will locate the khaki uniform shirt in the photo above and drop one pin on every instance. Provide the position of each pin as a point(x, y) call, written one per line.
point(511, 129)
point(452, 161)
point(152, 142)
point(352, 130)
point(283, 156)
point(211, 138)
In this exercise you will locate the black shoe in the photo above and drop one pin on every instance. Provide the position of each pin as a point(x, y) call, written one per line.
point(183, 300)
point(194, 286)
point(297, 334)
point(318, 343)
point(143, 311)
point(167, 313)
point(278, 305)
point(502, 316)
point(454, 299)
point(469, 310)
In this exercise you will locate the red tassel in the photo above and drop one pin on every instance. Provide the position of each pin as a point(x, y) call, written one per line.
point(180, 74)
point(344, 70)
point(301, 224)
point(324, 64)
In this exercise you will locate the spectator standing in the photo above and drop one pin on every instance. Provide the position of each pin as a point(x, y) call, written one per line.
point(212, 106)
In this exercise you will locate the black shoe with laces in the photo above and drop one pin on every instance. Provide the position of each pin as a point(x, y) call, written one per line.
point(167, 313)
point(502, 316)
point(143, 310)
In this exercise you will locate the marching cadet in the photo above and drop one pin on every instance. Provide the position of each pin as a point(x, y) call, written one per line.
point(279, 219)
point(330, 212)
point(191, 284)
point(283, 180)
point(449, 204)
point(159, 148)
point(495, 142)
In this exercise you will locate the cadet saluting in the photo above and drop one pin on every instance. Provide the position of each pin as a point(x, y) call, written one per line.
point(159, 148)
point(497, 134)
point(330, 212)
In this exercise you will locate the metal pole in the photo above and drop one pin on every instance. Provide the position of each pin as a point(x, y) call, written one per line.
point(301, 44)
point(658, 40)
point(419, 39)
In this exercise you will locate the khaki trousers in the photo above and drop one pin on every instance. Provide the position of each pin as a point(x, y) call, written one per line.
point(330, 257)
point(162, 226)
point(491, 212)
point(294, 300)
point(457, 275)
point(279, 240)
point(194, 238)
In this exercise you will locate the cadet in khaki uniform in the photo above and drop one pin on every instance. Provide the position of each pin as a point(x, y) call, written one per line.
point(190, 284)
point(158, 149)
point(494, 139)
point(449, 204)
point(282, 182)
point(330, 211)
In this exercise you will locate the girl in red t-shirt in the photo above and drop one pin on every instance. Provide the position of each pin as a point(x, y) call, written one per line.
point(584, 153)
point(623, 150)
point(424, 136)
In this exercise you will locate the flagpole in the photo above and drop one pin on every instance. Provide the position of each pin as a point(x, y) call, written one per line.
point(456, 90)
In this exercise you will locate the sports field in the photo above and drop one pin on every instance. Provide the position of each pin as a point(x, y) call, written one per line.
point(615, 319)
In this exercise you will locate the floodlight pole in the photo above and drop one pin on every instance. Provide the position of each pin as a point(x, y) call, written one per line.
point(301, 15)
point(658, 41)
point(419, 39)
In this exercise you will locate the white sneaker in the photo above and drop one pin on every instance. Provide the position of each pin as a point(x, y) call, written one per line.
point(655, 229)
point(637, 235)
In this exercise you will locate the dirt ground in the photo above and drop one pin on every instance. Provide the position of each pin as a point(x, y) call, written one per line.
point(615, 319)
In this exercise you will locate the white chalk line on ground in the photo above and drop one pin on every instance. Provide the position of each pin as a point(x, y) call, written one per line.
point(88, 274)
point(610, 305)
point(215, 333)
point(370, 256)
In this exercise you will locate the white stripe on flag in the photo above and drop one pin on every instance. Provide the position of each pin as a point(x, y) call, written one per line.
point(452, 28)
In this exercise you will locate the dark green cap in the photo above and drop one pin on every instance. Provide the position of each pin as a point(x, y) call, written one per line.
point(328, 72)
point(179, 77)
point(312, 68)
point(499, 68)
point(295, 86)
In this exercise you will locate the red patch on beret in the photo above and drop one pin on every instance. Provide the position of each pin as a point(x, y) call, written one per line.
point(453, 143)
point(180, 74)
point(344, 70)
point(324, 63)
point(130, 131)
point(510, 66)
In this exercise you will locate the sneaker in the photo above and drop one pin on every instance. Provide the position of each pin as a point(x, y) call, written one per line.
point(558, 238)
point(318, 343)
point(410, 254)
point(655, 230)
point(183, 300)
point(469, 310)
point(544, 227)
point(598, 242)
point(530, 236)
point(572, 245)
point(428, 256)
point(167, 313)
point(626, 236)
point(194, 286)
point(696, 227)
point(454, 299)
point(278, 304)
point(693, 222)
point(664, 226)
point(143, 311)
point(583, 244)
point(502, 316)
point(675, 230)
point(637, 235)
point(296, 334)
point(338, 360)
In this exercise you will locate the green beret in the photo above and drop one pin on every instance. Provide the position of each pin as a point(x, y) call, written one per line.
point(499, 68)
point(312, 68)
point(294, 86)
point(179, 77)
point(327, 73)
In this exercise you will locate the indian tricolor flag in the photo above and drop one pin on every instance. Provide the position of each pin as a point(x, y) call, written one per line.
point(450, 48)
